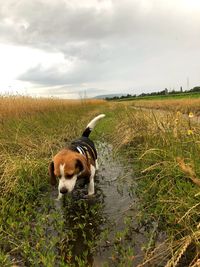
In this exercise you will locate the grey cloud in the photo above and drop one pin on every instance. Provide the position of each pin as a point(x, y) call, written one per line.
point(56, 24)
point(81, 73)
point(53, 25)
point(134, 41)
point(90, 34)
point(95, 51)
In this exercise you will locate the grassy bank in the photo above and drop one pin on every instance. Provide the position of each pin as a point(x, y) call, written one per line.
point(164, 148)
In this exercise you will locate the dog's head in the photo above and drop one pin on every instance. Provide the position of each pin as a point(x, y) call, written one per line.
point(67, 167)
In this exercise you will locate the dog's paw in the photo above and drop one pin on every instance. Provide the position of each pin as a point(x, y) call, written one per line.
point(59, 197)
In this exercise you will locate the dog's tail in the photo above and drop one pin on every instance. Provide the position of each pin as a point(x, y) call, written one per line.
point(91, 125)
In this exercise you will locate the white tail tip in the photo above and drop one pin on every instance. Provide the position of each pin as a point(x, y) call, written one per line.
point(93, 122)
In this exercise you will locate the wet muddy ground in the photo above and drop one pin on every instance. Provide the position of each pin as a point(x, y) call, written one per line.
point(116, 180)
point(93, 225)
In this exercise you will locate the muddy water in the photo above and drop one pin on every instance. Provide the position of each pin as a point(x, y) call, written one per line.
point(115, 177)
point(86, 219)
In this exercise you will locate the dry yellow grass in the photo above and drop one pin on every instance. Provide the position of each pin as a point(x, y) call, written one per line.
point(29, 128)
point(183, 105)
point(18, 106)
point(189, 172)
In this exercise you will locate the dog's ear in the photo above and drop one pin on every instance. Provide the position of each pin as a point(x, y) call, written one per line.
point(79, 165)
point(51, 174)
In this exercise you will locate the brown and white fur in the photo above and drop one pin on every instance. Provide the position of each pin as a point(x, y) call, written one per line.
point(78, 160)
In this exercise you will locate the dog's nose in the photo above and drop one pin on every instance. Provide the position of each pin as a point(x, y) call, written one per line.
point(63, 190)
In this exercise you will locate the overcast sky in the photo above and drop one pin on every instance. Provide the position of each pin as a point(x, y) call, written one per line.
point(73, 48)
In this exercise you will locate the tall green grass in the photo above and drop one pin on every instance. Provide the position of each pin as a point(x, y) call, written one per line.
point(164, 149)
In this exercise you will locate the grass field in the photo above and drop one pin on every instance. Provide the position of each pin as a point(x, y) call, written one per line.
point(176, 96)
point(182, 105)
point(162, 148)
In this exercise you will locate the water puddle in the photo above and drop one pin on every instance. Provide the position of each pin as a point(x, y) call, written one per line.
point(93, 225)
point(116, 180)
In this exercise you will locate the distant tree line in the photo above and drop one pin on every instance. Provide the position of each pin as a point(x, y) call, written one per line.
point(196, 89)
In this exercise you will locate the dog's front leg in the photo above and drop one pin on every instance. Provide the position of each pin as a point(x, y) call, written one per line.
point(59, 196)
point(91, 183)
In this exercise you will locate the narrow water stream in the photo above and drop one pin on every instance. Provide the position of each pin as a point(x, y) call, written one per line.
point(115, 178)
point(86, 220)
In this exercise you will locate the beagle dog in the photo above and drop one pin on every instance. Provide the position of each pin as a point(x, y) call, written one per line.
point(78, 160)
